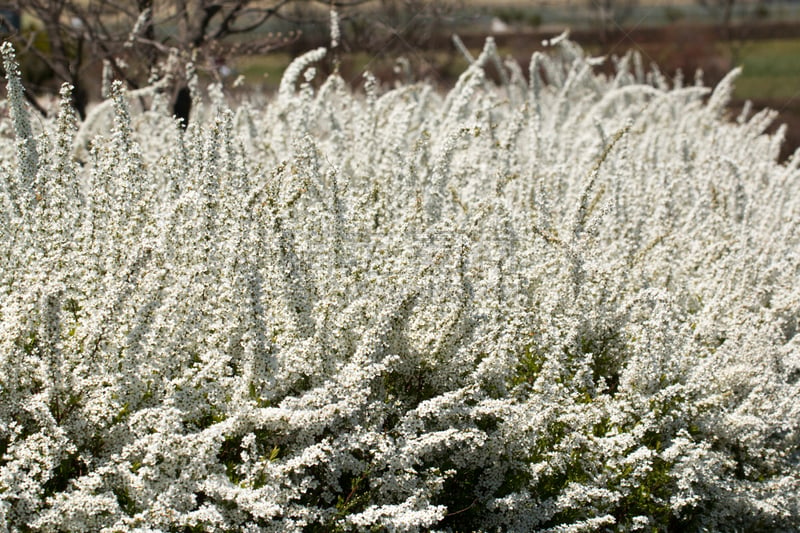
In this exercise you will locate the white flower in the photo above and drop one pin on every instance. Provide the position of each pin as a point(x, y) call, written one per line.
point(568, 304)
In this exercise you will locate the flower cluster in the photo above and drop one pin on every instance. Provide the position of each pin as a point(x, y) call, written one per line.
point(567, 302)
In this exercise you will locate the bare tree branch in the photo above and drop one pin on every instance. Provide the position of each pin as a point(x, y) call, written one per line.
point(81, 34)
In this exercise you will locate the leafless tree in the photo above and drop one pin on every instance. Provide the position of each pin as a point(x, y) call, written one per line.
point(611, 14)
point(133, 36)
point(722, 11)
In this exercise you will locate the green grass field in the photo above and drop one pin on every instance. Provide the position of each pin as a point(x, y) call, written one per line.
point(771, 70)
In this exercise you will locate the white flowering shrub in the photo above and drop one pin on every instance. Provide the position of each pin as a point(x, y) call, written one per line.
point(566, 303)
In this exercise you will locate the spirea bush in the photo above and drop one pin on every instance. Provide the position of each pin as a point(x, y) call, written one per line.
point(565, 302)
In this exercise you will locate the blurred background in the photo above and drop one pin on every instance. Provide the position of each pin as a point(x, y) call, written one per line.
point(246, 44)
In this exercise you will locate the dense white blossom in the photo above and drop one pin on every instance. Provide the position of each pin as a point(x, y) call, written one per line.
point(566, 303)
